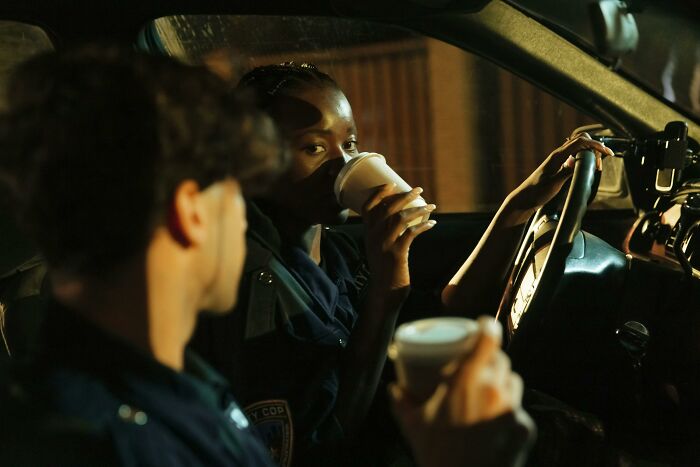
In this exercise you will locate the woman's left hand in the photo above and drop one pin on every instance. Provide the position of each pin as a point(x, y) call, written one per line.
point(546, 181)
point(388, 237)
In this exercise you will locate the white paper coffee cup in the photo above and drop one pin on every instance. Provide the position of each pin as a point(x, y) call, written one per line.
point(363, 175)
point(421, 349)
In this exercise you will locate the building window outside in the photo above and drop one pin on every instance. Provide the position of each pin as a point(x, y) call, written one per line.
point(464, 129)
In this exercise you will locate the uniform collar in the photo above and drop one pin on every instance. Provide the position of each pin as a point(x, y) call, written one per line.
point(71, 341)
point(261, 227)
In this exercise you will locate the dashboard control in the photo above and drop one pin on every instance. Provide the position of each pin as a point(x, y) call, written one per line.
point(634, 337)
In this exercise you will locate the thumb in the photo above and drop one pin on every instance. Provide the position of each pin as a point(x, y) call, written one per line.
point(566, 169)
point(487, 344)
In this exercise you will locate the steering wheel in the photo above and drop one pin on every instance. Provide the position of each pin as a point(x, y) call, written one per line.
point(546, 244)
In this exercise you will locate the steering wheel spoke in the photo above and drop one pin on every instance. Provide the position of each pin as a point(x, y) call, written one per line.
point(547, 242)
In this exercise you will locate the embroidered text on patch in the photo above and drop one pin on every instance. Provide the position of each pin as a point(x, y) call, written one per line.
point(273, 421)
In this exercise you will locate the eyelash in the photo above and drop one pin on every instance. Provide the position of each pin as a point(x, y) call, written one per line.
point(311, 148)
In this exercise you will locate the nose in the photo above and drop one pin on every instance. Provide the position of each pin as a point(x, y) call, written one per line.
point(340, 158)
point(339, 152)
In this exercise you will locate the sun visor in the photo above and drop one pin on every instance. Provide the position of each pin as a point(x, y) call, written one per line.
point(405, 9)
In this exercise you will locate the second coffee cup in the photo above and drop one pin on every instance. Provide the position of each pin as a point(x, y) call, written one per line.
point(362, 176)
point(421, 350)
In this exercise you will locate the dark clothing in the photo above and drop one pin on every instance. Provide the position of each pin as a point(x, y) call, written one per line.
point(284, 343)
point(151, 415)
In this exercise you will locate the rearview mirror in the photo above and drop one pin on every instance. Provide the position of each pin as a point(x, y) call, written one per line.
point(614, 29)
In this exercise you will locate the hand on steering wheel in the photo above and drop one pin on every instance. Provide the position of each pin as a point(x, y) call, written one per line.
point(544, 184)
point(549, 178)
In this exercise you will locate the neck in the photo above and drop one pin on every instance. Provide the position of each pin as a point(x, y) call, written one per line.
point(145, 306)
point(310, 242)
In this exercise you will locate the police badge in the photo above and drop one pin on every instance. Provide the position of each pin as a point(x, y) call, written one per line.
point(273, 422)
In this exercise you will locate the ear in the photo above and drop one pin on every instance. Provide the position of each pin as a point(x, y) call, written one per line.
point(187, 215)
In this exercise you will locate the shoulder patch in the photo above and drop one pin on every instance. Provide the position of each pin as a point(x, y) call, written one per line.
point(273, 422)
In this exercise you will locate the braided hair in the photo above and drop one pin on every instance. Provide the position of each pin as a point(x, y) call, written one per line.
point(270, 81)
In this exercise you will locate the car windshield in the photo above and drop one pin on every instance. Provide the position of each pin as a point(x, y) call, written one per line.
point(667, 58)
point(465, 130)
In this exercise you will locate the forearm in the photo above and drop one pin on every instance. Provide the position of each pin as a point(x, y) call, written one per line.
point(477, 287)
point(365, 356)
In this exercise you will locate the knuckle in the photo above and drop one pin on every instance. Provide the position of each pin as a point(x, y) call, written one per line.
point(397, 221)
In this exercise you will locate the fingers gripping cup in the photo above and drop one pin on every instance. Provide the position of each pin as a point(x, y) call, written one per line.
point(421, 349)
point(362, 176)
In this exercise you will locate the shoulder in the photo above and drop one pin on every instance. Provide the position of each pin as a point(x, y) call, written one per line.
point(78, 399)
point(65, 417)
point(34, 432)
point(258, 253)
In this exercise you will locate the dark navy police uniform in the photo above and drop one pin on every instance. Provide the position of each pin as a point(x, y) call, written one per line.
point(130, 408)
point(282, 347)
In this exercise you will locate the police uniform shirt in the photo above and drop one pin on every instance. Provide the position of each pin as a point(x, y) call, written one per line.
point(153, 415)
point(282, 347)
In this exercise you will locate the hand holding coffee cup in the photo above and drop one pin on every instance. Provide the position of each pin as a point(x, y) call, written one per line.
point(422, 351)
point(459, 352)
point(472, 415)
point(394, 215)
point(363, 176)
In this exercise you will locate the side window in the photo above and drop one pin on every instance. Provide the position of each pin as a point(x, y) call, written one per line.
point(464, 129)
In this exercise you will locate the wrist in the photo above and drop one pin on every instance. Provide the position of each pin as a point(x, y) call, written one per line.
point(515, 210)
point(390, 278)
point(388, 297)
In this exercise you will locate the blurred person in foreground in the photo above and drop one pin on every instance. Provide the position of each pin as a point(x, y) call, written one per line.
point(127, 171)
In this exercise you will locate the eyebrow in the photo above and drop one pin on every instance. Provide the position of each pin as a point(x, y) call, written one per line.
point(351, 131)
point(317, 132)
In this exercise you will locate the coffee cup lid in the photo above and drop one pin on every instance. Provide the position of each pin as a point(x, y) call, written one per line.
point(349, 167)
point(433, 338)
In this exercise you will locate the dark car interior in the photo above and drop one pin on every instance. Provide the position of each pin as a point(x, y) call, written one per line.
point(601, 303)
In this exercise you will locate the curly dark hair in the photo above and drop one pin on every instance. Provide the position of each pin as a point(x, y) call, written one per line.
point(96, 140)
